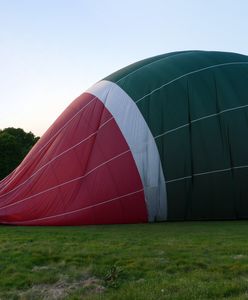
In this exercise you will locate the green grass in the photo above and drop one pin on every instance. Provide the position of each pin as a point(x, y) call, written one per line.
point(187, 260)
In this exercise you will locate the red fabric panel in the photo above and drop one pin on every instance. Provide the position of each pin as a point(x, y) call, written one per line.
point(80, 172)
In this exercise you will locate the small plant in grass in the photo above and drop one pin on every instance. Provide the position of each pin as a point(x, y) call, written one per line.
point(112, 276)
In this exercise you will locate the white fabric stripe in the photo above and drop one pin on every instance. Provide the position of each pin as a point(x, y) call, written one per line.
point(64, 183)
point(202, 118)
point(141, 142)
point(171, 130)
point(77, 210)
point(178, 179)
point(221, 112)
point(59, 155)
point(206, 173)
point(190, 73)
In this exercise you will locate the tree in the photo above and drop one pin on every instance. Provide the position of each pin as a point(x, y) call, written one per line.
point(15, 143)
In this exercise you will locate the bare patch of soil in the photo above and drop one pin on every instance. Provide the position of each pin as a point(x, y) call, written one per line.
point(62, 288)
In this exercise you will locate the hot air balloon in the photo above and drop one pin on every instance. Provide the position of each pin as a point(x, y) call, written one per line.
point(165, 138)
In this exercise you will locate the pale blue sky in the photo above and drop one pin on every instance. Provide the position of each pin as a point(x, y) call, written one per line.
point(53, 50)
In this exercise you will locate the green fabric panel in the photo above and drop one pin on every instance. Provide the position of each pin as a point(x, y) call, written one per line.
point(203, 198)
point(138, 67)
point(240, 181)
point(216, 142)
point(144, 76)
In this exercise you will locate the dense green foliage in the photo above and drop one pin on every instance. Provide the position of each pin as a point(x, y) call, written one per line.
point(15, 143)
point(193, 260)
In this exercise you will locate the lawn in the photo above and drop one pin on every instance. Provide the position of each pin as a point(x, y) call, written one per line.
point(186, 260)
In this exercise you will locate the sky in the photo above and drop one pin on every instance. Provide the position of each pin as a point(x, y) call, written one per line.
point(51, 51)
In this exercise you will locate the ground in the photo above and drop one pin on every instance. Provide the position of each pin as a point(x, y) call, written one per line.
point(186, 260)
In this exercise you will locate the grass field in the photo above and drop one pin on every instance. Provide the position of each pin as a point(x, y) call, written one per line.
point(187, 260)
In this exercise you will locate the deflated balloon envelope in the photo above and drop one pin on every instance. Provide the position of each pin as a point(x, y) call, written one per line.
point(162, 139)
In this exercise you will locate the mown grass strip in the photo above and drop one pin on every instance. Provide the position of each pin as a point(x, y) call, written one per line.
point(187, 260)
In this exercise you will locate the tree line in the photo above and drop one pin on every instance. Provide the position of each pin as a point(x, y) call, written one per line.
point(15, 143)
